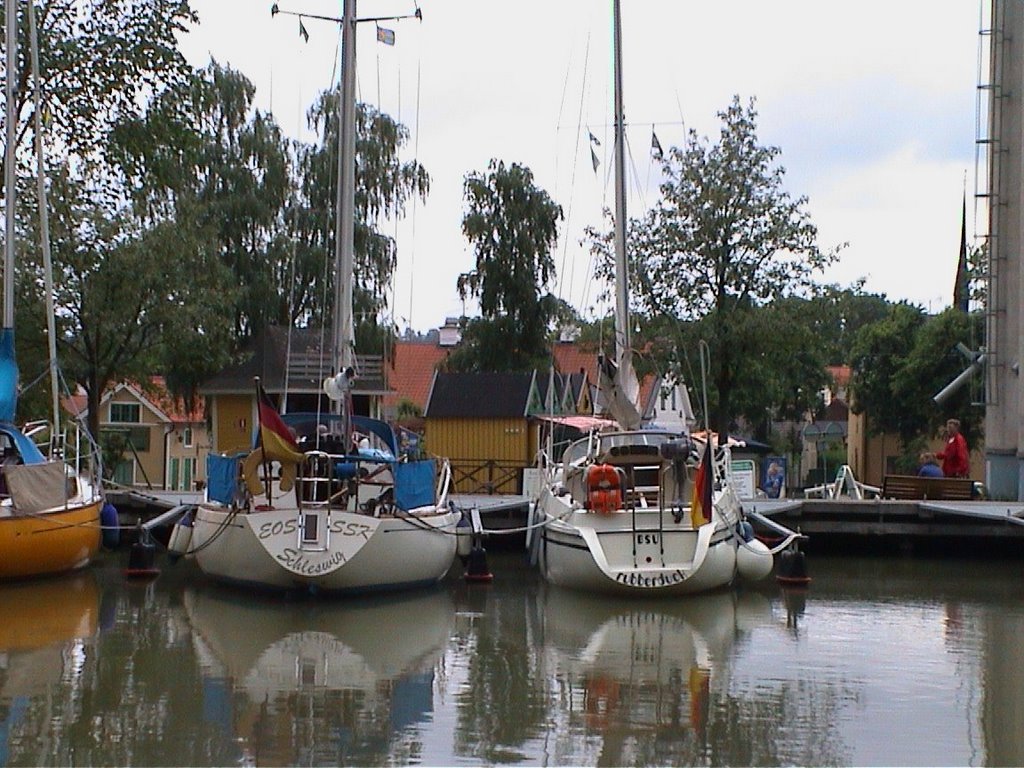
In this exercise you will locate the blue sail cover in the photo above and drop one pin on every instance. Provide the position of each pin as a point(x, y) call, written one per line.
point(28, 450)
point(414, 484)
point(8, 376)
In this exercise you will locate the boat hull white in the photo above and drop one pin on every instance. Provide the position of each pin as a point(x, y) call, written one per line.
point(566, 558)
point(361, 553)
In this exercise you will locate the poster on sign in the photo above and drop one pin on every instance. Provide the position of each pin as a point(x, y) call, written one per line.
point(774, 474)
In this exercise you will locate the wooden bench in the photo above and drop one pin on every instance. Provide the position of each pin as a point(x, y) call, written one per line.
point(931, 488)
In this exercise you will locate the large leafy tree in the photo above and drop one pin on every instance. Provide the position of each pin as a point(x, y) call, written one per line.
point(205, 157)
point(879, 356)
point(836, 314)
point(96, 58)
point(901, 362)
point(385, 184)
point(725, 238)
point(512, 225)
point(132, 300)
point(103, 64)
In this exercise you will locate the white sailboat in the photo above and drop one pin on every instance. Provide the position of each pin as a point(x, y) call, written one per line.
point(49, 512)
point(311, 508)
point(619, 512)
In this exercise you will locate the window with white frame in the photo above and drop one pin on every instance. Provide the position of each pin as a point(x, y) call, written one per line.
point(125, 413)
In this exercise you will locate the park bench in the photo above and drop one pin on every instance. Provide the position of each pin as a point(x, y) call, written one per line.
point(930, 488)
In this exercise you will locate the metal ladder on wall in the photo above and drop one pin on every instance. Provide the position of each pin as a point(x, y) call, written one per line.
point(989, 154)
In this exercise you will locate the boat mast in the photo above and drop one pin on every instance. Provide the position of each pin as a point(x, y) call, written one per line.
point(622, 333)
point(10, 39)
point(44, 227)
point(344, 326)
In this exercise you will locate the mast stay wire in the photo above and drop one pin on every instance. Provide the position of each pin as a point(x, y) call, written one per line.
point(575, 164)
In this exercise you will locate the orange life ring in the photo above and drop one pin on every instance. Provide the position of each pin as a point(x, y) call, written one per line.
point(604, 488)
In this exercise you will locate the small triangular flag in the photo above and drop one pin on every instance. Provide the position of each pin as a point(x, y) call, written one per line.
point(593, 139)
point(386, 36)
point(594, 160)
point(302, 31)
point(656, 145)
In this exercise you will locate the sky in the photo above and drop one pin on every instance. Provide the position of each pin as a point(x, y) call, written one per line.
point(872, 104)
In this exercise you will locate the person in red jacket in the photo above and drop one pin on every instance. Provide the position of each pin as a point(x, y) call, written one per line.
point(955, 458)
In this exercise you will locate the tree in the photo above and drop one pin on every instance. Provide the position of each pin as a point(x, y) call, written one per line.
point(900, 363)
point(96, 58)
point(879, 354)
point(204, 157)
point(836, 314)
point(512, 225)
point(724, 238)
point(932, 363)
point(131, 300)
point(384, 186)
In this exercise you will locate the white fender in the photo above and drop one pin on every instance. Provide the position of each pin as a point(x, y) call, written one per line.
point(753, 560)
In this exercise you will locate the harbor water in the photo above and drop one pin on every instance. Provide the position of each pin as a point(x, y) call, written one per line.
point(880, 661)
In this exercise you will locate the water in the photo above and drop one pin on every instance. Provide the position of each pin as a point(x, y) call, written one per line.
point(880, 662)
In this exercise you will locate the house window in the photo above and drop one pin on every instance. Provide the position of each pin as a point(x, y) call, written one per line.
point(125, 441)
point(186, 437)
point(139, 438)
point(175, 469)
point(124, 472)
point(125, 413)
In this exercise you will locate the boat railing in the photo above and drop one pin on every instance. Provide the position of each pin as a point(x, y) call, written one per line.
point(316, 482)
point(444, 483)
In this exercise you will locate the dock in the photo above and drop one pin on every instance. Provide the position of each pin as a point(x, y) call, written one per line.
point(908, 524)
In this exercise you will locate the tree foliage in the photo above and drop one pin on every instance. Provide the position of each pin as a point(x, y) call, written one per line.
point(204, 157)
point(724, 239)
point(385, 185)
point(120, 314)
point(512, 225)
point(97, 57)
point(901, 362)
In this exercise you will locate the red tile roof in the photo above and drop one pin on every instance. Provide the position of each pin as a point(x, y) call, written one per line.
point(840, 375)
point(572, 358)
point(174, 407)
point(415, 363)
point(156, 393)
point(413, 371)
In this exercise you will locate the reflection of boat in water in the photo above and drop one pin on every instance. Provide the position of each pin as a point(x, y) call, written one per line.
point(287, 679)
point(43, 628)
point(637, 669)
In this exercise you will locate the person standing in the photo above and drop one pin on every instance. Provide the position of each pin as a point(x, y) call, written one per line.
point(955, 457)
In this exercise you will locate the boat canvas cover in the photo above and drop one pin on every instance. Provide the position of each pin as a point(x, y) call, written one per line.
point(8, 376)
point(222, 477)
point(27, 450)
point(414, 484)
point(36, 487)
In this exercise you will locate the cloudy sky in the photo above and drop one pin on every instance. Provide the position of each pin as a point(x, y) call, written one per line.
point(872, 104)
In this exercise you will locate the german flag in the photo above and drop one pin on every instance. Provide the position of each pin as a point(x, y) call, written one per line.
point(275, 437)
point(700, 504)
